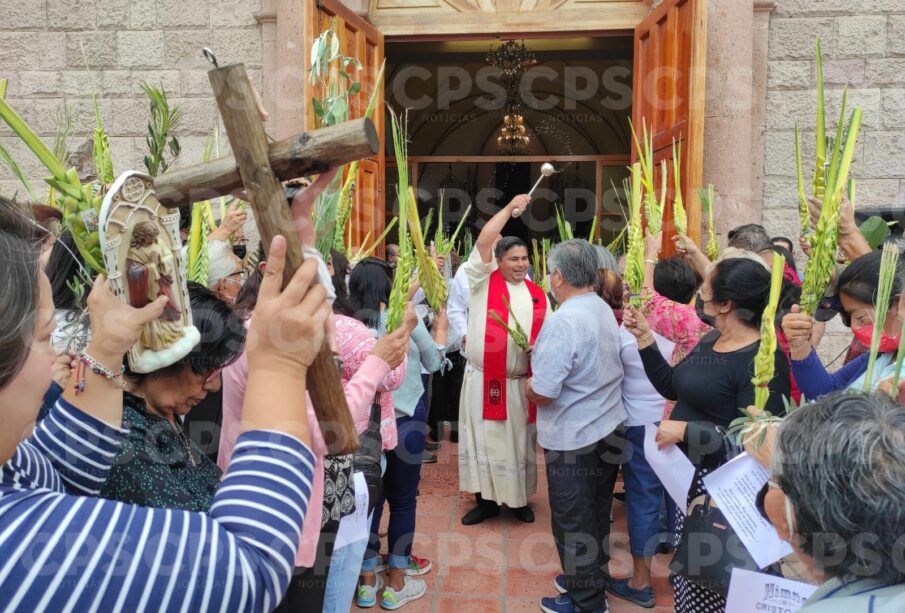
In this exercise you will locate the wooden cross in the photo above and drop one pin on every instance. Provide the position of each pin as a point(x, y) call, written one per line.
point(260, 168)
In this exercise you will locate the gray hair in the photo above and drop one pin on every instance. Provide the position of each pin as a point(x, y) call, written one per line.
point(605, 259)
point(841, 463)
point(751, 237)
point(576, 260)
point(735, 253)
point(19, 251)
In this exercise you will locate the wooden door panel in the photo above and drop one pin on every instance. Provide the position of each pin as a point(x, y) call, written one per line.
point(670, 46)
point(363, 41)
point(369, 214)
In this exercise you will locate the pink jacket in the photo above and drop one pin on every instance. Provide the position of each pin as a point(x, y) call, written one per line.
point(354, 341)
point(359, 390)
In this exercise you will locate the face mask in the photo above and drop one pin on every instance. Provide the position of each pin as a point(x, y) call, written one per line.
point(699, 303)
point(240, 251)
point(865, 335)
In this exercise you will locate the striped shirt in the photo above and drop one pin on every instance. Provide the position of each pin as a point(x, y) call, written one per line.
point(62, 549)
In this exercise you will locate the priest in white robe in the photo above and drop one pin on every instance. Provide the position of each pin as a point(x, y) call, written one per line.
point(497, 436)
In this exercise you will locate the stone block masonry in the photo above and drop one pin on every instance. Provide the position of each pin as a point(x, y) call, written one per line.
point(45, 46)
point(863, 48)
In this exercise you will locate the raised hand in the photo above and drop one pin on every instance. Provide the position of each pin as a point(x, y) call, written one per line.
point(115, 325)
point(519, 203)
point(652, 244)
point(392, 348)
point(635, 322)
point(798, 327)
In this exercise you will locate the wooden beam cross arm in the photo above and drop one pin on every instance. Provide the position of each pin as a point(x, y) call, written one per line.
point(239, 111)
point(297, 156)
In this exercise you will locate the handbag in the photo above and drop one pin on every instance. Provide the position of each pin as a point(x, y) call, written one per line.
point(710, 548)
point(366, 458)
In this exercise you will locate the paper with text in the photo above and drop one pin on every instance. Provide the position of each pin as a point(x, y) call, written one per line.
point(734, 487)
point(753, 592)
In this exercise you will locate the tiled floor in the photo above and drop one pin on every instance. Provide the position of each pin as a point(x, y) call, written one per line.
point(501, 564)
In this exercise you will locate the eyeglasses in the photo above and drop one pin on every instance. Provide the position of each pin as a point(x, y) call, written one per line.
point(240, 281)
point(213, 374)
point(761, 500)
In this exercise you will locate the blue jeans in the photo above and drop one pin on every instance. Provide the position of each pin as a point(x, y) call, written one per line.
point(400, 484)
point(643, 496)
point(343, 577)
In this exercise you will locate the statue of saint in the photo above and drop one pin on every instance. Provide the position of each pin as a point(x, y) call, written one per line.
point(149, 274)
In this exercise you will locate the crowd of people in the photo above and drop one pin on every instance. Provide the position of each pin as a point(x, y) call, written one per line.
point(116, 489)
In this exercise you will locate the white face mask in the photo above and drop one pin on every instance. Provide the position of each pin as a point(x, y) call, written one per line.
point(554, 284)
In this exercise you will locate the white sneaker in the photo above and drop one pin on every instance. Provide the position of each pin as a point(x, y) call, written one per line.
point(367, 594)
point(413, 589)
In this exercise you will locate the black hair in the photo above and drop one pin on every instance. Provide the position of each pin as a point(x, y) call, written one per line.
point(861, 279)
point(750, 236)
point(20, 246)
point(506, 243)
point(341, 270)
point(674, 278)
point(185, 218)
point(789, 245)
point(787, 256)
point(746, 284)
point(369, 286)
point(63, 266)
point(222, 337)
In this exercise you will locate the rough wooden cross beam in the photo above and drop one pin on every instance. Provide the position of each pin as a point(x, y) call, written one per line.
point(262, 181)
point(297, 156)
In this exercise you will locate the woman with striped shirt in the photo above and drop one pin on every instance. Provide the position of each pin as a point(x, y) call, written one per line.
point(63, 549)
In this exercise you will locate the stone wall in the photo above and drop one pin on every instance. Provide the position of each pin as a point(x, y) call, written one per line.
point(864, 47)
point(865, 51)
point(46, 44)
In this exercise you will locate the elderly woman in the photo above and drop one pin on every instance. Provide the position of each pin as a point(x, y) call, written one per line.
point(69, 541)
point(836, 495)
point(158, 464)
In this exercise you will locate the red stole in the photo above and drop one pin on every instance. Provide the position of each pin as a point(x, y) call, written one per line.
point(496, 344)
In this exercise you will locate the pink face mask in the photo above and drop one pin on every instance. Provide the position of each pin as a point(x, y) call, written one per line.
point(865, 334)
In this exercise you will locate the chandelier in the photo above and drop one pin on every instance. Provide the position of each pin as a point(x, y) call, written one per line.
point(513, 138)
point(511, 59)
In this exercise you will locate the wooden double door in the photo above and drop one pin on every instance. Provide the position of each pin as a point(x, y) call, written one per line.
point(668, 96)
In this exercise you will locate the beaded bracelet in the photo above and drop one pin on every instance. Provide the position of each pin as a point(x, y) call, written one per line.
point(116, 378)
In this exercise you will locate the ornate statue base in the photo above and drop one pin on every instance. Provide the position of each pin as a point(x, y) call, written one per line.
point(149, 360)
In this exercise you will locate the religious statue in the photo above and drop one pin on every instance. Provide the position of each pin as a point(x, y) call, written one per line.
point(144, 261)
point(149, 275)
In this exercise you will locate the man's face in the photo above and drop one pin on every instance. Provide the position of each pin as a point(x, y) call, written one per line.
point(392, 255)
point(514, 264)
